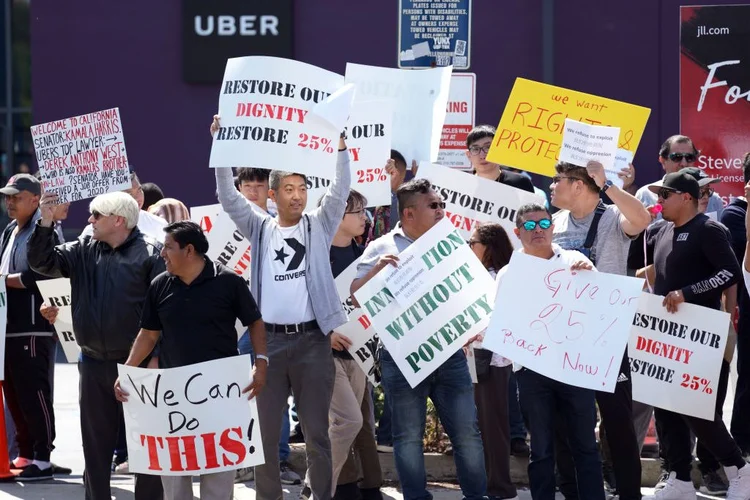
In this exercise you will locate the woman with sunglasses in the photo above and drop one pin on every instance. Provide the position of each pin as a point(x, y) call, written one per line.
point(492, 246)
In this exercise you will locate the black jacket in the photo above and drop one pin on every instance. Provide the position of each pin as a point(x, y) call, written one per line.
point(23, 303)
point(108, 286)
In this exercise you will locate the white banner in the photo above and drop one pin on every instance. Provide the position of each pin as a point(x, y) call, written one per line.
point(226, 244)
point(432, 304)
point(583, 143)
point(82, 156)
point(459, 120)
point(419, 100)
point(191, 420)
point(358, 329)
point(268, 116)
point(56, 293)
point(471, 200)
point(569, 326)
point(675, 359)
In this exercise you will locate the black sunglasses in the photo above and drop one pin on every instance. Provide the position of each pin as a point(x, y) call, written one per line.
point(665, 193)
point(678, 157)
point(707, 192)
point(436, 204)
point(98, 215)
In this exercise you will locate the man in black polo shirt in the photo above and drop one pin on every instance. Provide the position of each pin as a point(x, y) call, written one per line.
point(193, 307)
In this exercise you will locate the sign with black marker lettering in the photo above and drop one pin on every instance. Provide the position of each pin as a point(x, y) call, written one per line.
point(675, 359)
point(56, 293)
point(191, 420)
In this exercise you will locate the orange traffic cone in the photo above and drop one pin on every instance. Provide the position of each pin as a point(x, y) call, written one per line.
point(5, 473)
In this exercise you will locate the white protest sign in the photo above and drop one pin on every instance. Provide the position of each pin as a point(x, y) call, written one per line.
point(574, 330)
point(459, 120)
point(226, 244)
point(623, 159)
point(421, 331)
point(364, 348)
point(191, 420)
point(418, 98)
point(56, 293)
point(471, 360)
point(471, 200)
point(82, 156)
point(267, 119)
point(368, 137)
point(675, 359)
point(583, 143)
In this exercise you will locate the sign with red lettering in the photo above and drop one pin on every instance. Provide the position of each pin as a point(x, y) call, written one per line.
point(428, 307)
point(418, 98)
point(715, 90)
point(675, 359)
point(569, 326)
point(268, 116)
point(459, 120)
point(226, 244)
point(82, 156)
point(191, 420)
point(471, 200)
point(56, 293)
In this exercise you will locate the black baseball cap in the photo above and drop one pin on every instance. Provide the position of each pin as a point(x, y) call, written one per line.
point(700, 176)
point(22, 182)
point(678, 181)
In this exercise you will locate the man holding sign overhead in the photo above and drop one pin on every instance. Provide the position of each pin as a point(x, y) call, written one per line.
point(292, 282)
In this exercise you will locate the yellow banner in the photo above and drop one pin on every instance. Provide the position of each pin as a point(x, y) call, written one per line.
point(531, 128)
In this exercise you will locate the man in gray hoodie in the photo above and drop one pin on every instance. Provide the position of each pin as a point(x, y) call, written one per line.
point(292, 283)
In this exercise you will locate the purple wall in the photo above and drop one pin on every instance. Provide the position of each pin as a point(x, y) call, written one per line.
point(86, 57)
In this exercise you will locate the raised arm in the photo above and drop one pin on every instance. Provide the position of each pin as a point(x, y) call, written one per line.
point(635, 218)
point(45, 257)
point(333, 205)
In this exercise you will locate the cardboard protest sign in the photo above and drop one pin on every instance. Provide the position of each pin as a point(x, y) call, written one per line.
point(471, 200)
point(364, 348)
point(82, 156)
point(418, 99)
point(432, 304)
point(675, 359)
point(459, 120)
point(56, 293)
point(530, 131)
point(574, 330)
point(226, 244)
point(191, 420)
point(267, 120)
point(583, 143)
point(368, 137)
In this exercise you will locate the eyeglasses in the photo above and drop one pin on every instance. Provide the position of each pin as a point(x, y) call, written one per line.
point(665, 193)
point(678, 157)
point(709, 192)
point(98, 215)
point(530, 225)
point(359, 212)
point(472, 243)
point(556, 179)
point(476, 150)
point(436, 204)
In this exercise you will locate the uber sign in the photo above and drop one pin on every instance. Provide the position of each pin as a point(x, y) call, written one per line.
point(216, 30)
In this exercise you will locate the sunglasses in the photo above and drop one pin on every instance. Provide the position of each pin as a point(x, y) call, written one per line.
point(472, 243)
point(556, 179)
point(666, 193)
point(476, 150)
point(530, 225)
point(98, 215)
point(709, 192)
point(678, 157)
point(436, 204)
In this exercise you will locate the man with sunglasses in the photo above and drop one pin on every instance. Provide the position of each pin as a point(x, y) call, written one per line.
point(677, 152)
point(693, 262)
point(603, 234)
point(110, 272)
point(543, 399)
point(449, 387)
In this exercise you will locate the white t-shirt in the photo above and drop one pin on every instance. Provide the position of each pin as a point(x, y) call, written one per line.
point(284, 296)
point(5, 262)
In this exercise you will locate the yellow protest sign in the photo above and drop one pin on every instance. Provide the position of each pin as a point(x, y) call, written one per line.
point(531, 128)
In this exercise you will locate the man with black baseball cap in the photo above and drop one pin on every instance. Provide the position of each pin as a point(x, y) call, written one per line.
point(30, 341)
point(693, 263)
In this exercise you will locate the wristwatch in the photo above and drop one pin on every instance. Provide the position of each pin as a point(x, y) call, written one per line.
point(607, 185)
point(263, 357)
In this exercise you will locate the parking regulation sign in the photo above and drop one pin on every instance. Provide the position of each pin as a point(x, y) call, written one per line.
point(459, 120)
point(434, 34)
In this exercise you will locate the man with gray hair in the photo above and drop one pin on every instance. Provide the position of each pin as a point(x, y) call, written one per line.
point(110, 272)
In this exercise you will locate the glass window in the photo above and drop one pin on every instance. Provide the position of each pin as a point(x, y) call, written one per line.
point(21, 43)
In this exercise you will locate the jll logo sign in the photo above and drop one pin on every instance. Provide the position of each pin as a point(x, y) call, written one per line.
point(214, 31)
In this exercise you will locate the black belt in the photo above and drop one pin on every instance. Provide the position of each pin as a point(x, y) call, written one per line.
point(293, 328)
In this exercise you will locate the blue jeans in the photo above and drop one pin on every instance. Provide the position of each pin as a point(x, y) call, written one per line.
point(246, 347)
point(517, 427)
point(543, 401)
point(450, 389)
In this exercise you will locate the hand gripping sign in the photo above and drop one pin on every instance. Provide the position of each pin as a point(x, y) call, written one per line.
point(56, 293)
